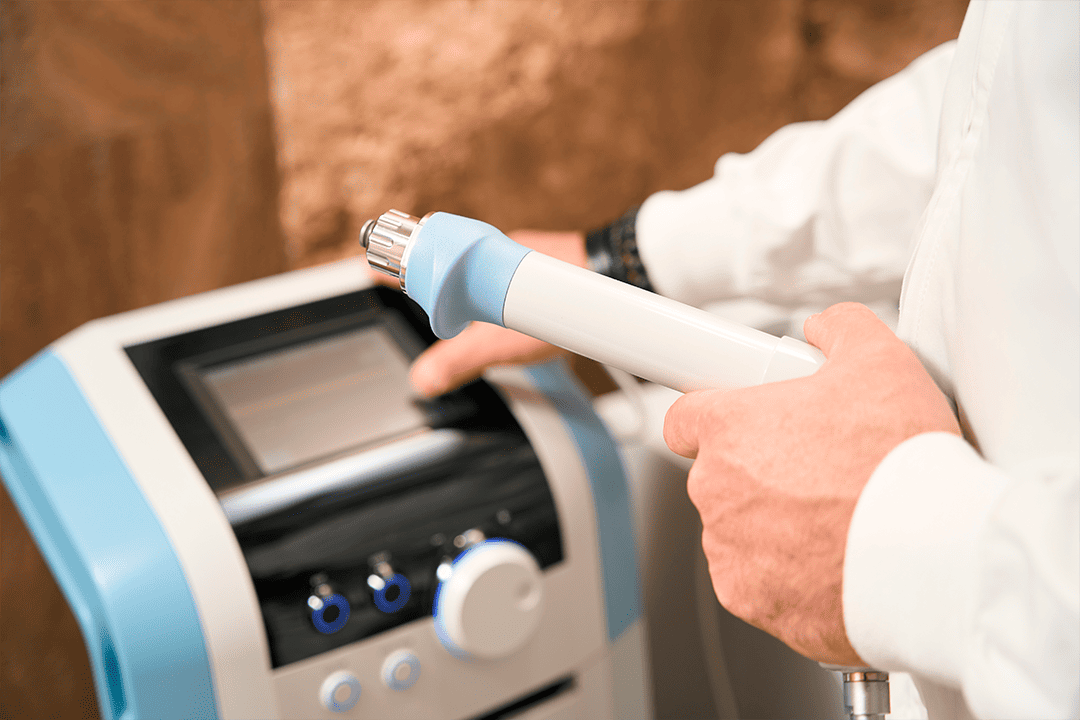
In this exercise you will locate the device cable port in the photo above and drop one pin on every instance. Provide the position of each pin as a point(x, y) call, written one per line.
point(329, 610)
point(391, 590)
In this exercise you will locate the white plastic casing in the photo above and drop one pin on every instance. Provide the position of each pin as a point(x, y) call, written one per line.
point(650, 336)
point(610, 680)
point(491, 604)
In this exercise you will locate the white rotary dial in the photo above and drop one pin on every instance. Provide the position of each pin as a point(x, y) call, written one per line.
point(491, 604)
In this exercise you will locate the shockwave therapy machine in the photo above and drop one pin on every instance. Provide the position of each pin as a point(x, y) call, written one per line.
point(251, 516)
point(461, 270)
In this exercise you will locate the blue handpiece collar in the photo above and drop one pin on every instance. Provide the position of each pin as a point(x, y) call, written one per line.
point(459, 270)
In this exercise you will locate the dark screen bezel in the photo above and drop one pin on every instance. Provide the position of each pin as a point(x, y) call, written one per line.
point(192, 374)
point(170, 367)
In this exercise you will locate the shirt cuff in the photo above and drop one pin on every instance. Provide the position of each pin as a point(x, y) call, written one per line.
point(684, 240)
point(910, 562)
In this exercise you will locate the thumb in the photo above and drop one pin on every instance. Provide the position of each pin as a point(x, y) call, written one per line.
point(846, 328)
point(684, 421)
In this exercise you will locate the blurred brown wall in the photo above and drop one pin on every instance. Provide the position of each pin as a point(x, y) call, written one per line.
point(551, 114)
point(137, 157)
point(137, 165)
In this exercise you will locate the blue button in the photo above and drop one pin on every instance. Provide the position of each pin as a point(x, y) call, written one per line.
point(403, 589)
point(401, 670)
point(318, 616)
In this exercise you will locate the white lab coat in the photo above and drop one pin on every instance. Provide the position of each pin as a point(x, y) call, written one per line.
point(960, 175)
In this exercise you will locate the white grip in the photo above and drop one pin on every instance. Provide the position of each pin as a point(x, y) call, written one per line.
point(647, 335)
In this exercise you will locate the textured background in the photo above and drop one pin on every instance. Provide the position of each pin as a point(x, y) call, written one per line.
point(143, 146)
point(549, 114)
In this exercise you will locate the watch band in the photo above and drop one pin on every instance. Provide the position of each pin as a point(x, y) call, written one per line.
point(613, 251)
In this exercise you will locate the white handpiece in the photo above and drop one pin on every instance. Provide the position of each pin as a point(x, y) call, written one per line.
point(460, 270)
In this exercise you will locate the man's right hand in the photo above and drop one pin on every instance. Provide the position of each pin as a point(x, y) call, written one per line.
point(448, 364)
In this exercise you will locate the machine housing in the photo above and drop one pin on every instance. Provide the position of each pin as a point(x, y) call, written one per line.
point(170, 524)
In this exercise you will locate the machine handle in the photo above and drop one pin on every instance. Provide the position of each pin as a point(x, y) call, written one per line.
point(461, 270)
point(648, 335)
point(71, 575)
point(105, 546)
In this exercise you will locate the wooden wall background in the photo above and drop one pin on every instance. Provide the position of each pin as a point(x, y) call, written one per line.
point(137, 165)
point(150, 150)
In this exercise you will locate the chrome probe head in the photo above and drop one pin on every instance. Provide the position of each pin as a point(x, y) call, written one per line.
point(386, 242)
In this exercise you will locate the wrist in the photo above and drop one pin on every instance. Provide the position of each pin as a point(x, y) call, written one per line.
point(612, 250)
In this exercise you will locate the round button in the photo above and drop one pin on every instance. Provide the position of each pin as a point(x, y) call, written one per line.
point(340, 691)
point(331, 614)
point(491, 603)
point(394, 593)
point(401, 670)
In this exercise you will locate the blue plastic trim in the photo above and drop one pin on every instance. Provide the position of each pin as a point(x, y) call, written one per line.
point(459, 270)
point(106, 548)
point(611, 497)
point(319, 621)
point(404, 592)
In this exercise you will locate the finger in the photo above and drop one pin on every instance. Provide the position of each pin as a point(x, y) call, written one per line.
point(683, 422)
point(846, 328)
point(448, 364)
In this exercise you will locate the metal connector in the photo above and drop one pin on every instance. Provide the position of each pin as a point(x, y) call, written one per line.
point(386, 240)
point(866, 694)
point(866, 691)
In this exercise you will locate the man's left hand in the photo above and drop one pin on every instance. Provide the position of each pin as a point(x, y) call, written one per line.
point(779, 468)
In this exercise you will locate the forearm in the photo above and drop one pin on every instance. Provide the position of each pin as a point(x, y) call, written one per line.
point(820, 212)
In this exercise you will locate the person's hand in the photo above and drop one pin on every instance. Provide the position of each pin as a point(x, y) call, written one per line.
point(448, 364)
point(779, 468)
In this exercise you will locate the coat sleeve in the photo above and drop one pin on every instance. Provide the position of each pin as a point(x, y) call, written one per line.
point(820, 212)
point(970, 577)
point(963, 565)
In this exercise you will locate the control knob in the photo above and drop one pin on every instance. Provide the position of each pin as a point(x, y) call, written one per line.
point(490, 603)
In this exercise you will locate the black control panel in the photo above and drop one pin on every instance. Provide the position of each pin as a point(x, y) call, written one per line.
point(361, 559)
point(495, 487)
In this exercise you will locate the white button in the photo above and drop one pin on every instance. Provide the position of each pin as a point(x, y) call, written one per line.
point(401, 670)
point(340, 691)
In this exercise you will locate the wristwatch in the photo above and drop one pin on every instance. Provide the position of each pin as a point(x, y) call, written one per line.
point(612, 250)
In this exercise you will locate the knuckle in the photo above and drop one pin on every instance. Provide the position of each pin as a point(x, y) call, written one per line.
point(732, 598)
point(695, 486)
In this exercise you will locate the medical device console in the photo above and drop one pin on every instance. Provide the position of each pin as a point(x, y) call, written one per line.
point(252, 515)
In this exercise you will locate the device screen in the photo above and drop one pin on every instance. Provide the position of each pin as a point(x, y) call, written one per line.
point(312, 400)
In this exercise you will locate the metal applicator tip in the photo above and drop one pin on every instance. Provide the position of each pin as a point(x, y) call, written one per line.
point(365, 233)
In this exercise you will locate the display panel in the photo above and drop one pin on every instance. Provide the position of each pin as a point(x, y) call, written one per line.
point(317, 399)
